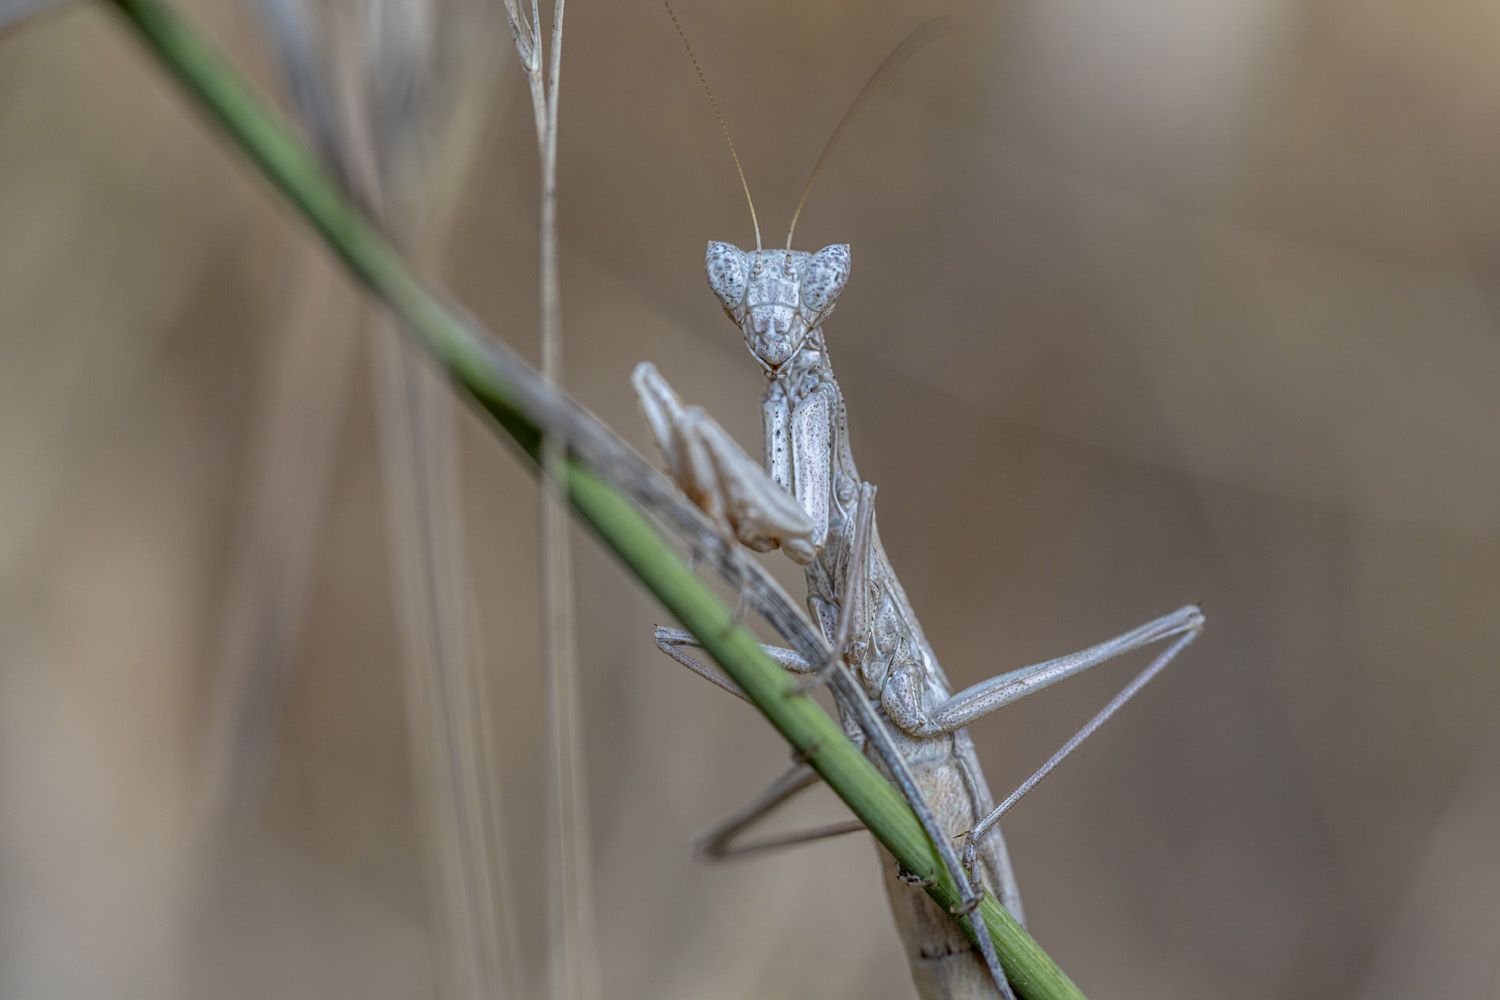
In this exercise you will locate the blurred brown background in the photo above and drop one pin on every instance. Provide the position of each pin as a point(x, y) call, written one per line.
point(1153, 302)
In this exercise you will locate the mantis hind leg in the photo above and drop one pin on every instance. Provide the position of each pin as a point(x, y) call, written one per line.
point(718, 842)
point(1181, 628)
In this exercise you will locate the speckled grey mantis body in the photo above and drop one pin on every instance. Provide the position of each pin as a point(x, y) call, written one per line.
point(808, 499)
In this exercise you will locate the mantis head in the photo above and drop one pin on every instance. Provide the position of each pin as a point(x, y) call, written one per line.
point(777, 297)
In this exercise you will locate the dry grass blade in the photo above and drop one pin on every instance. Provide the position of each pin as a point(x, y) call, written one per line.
point(573, 970)
point(370, 86)
point(305, 372)
point(295, 431)
point(298, 44)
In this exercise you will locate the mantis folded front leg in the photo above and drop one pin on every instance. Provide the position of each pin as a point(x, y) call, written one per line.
point(718, 476)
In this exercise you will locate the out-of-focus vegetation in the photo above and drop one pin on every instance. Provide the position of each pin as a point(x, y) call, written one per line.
point(1166, 302)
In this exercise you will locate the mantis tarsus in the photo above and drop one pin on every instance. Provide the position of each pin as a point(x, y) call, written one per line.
point(808, 499)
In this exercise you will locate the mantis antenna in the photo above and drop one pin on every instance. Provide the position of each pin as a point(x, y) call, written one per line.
point(923, 34)
point(723, 127)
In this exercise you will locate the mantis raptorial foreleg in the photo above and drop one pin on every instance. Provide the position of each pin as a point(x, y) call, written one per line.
point(851, 621)
point(717, 475)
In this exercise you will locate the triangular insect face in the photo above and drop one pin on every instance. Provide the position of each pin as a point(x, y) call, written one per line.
point(776, 297)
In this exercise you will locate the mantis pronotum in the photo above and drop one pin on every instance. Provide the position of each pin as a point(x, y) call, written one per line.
point(808, 500)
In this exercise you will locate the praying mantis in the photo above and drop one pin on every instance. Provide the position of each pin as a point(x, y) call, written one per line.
point(807, 498)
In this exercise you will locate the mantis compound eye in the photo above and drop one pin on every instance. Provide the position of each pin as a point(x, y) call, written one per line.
point(727, 274)
point(823, 277)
